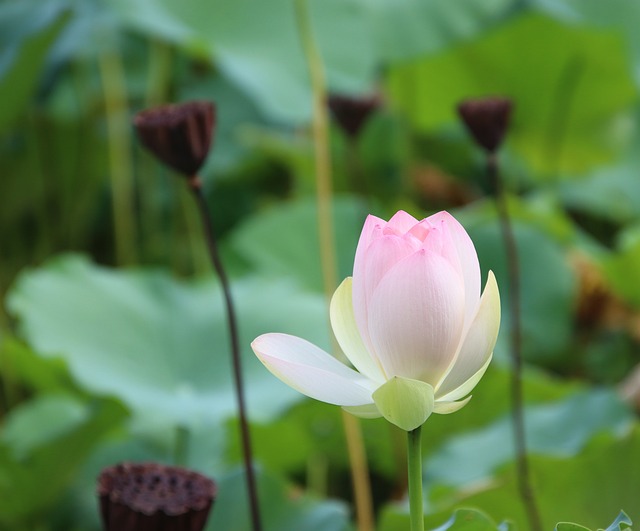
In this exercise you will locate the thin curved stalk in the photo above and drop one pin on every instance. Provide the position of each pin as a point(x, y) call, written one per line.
point(120, 158)
point(320, 124)
point(517, 402)
point(245, 435)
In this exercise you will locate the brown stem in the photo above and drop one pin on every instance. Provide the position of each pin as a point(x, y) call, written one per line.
point(517, 406)
point(207, 223)
point(357, 181)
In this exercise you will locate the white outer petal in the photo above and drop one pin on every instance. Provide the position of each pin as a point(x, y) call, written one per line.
point(369, 411)
point(467, 386)
point(444, 408)
point(343, 323)
point(476, 348)
point(311, 371)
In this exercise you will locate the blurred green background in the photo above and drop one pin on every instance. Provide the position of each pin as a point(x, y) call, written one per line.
point(112, 337)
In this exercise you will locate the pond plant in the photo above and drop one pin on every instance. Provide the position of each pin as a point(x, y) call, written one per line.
point(401, 292)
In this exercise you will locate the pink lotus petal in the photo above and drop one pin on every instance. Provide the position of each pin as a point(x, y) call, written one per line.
point(416, 316)
point(439, 240)
point(402, 222)
point(372, 225)
point(468, 260)
point(381, 255)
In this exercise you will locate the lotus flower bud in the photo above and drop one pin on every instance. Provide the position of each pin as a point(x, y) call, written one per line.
point(411, 321)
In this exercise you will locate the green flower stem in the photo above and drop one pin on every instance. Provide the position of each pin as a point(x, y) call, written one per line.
point(195, 186)
point(414, 460)
point(120, 159)
point(320, 124)
point(156, 234)
point(160, 75)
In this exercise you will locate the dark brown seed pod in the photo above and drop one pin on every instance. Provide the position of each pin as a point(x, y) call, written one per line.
point(179, 135)
point(487, 119)
point(154, 497)
point(351, 113)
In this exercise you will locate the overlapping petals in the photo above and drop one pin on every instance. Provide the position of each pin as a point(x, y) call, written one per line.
point(411, 321)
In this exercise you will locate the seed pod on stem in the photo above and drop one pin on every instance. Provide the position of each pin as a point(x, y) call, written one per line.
point(351, 112)
point(179, 135)
point(487, 119)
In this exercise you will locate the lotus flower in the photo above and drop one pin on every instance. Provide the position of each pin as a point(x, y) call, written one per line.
point(411, 321)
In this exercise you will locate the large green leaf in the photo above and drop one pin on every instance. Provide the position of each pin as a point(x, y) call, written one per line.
point(570, 526)
point(621, 522)
point(560, 428)
point(405, 29)
point(22, 366)
point(158, 344)
point(570, 85)
point(257, 45)
point(617, 15)
point(42, 445)
point(611, 193)
point(23, 57)
point(588, 488)
point(462, 520)
point(547, 284)
point(621, 268)
point(283, 509)
point(284, 240)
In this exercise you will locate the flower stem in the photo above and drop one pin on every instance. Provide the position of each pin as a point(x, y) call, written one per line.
point(320, 124)
point(207, 223)
point(120, 161)
point(414, 461)
point(517, 404)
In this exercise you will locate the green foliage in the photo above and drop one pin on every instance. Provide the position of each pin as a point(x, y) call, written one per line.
point(561, 428)
point(591, 485)
point(257, 45)
point(284, 240)
point(157, 344)
point(44, 442)
point(284, 508)
point(564, 111)
point(621, 522)
point(621, 266)
point(461, 520)
point(100, 364)
point(548, 286)
point(24, 57)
